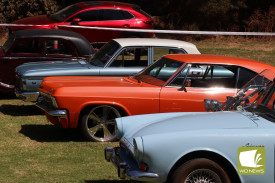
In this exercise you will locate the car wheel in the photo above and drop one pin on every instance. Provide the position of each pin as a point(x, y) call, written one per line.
point(200, 170)
point(98, 123)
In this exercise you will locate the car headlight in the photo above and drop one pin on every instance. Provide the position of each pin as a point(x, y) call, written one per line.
point(138, 148)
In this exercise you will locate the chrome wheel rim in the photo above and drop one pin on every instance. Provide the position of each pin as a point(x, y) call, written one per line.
point(101, 123)
point(203, 176)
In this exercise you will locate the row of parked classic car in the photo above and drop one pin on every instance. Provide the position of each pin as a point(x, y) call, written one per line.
point(191, 141)
point(151, 94)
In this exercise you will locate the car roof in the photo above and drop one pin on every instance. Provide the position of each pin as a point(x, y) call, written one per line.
point(83, 45)
point(127, 42)
point(90, 4)
point(219, 59)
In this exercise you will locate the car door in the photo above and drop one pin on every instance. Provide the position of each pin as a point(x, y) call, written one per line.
point(127, 62)
point(202, 81)
point(99, 18)
point(131, 60)
point(25, 50)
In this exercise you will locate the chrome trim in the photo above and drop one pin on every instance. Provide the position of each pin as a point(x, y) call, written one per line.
point(26, 96)
point(139, 175)
point(61, 113)
point(123, 168)
point(6, 85)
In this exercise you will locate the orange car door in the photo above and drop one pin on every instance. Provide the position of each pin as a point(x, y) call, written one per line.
point(173, 100)
point(202, 81)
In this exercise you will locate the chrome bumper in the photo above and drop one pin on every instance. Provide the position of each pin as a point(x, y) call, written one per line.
point(125, 167)
point(61, 113)
point(27, 96)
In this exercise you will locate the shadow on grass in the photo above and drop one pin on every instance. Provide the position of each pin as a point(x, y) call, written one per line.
point(51, 133)
point(20, 110)
point(7, 96)
point(112, 181)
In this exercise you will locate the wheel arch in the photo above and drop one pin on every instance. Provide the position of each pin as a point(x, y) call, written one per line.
point(123, 110)
point(222, 161)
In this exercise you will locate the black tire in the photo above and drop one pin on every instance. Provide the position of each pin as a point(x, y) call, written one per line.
point(200, 170)
point(98, 123)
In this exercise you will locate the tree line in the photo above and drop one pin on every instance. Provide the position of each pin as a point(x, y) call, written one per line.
point(210, 15)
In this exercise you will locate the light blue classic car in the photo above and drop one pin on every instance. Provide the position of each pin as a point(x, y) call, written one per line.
point(220, 147)
point(119, 57)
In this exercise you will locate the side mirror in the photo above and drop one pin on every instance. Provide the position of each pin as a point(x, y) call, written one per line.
point(75, 21)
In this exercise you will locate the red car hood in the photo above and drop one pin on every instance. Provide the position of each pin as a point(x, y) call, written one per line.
point(35, 20)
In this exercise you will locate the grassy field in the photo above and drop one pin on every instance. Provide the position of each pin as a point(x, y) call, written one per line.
point(33, 150)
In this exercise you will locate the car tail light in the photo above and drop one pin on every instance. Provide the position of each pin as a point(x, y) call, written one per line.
point(148, 22)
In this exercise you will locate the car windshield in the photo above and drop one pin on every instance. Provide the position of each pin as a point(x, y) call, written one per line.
point(257, 83)
point(246, 96)
point(8, 43)
point(159, 72)
point(64, 13)
point(104, 54)
point(264, 105)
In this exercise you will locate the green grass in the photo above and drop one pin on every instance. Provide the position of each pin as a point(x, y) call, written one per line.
point(33, 150)
point(261, 51)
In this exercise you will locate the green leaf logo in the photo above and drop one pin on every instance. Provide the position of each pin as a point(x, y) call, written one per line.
point(251, 160)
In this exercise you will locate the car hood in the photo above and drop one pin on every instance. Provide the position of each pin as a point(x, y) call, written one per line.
point(55, 68)
point(142, 125)
point(35, 20)
point(65, 82)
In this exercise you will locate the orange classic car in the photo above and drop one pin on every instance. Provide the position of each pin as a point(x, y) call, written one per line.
point(174, 83)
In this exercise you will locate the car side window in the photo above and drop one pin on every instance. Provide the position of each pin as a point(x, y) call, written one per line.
point(55, 46)
point(103, 15)
point(131, 57)
point(27, 46)
point(109, 14)
point(245, 75)
point(90, 15)
point(159, 52)
point(207, 76)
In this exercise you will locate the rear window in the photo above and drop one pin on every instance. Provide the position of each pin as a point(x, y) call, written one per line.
point(137, 9)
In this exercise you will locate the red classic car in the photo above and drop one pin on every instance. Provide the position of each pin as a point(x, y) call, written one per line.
point(39, 45)
point(175, 83)
point(94, 14)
